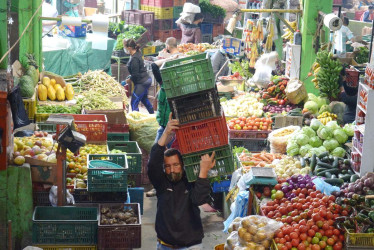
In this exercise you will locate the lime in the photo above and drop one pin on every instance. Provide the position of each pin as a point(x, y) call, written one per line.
point(318, 235)
point(315, 240)
point(273, 196)
point(273, 191)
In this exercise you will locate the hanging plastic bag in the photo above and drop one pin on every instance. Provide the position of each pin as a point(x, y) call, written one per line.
point(240, 209)
point(53, 197)
point(20, 117)
point(325, 187)
point(264, 66)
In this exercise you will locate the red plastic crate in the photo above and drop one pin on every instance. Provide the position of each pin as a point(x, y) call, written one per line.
point(162, 35)
point(358, 14)
point(163, 24)
point(248, 134)
point(139, 17)
point(202, 135)
point(158, 3)
point(218, 29)
point(94, 127)
point(118, 128)
point(352, 77)
point(338, 2)
point(177, 34)
point(179, 2)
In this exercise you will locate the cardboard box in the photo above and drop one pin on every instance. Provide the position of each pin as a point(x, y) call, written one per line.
point(114, 116)
point(285, 121)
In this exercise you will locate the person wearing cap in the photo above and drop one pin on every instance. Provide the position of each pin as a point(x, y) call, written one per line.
point(218, 59)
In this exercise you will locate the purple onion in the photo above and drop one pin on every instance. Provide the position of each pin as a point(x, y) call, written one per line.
point(285, 189)
point(291, 186)
point(302, 185)
point(350, 194)
point(292, 195)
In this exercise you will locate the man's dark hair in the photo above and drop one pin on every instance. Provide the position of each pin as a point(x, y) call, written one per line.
point(346, 21)
point(48, 1)
point(198, 16)
point(172, 152)
point(371, 7)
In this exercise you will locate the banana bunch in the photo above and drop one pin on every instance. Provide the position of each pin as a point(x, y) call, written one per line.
point(326, 117)
point(288, 34)
point(269, 39)
point(327, 75)
point(315, 68)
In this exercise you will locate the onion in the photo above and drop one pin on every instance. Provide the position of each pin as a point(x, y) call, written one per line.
point(294, 178)
point(358, 187)
point(302, 185)
point(369, 182)
point(350, 194)
point(351, 188)
point(285, 189)
point(309, 185)
point(369, 175)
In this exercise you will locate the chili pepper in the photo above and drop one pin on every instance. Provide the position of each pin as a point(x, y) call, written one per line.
point(282, 87)
point(265, 96)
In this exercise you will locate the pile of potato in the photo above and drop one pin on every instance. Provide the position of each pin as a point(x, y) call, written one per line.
point(117, 215)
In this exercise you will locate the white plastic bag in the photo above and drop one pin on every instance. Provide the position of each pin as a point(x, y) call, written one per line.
point(191, 8)
point(262, 76)
point(53, 197)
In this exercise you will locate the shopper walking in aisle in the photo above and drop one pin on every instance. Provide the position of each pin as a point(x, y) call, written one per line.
point(348, 95)
point(170, 52)
point(138, 75)
point(191, 33)
point(178, 221)
point(341, 37)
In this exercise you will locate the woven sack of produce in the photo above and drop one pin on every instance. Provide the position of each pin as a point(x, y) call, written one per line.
point(279, 137)
point(296, 91)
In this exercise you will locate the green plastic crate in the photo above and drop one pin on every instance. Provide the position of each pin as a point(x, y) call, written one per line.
point(119, 159)
point(224, 163)
point(187, 75)
point(46, 127)
point(105, 176)
point(118, 137)
point(133, 153)
point(177, 10)
point(65, 226)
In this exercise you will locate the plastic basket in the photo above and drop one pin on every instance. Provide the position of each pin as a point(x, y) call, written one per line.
point(94, 127)
point(41, 117)
point(138, 17)
point(133, 153)
point(162, 35)
point(187, 75)
point(158, 3)
point(175, 26)
point(196, 107)
point(41, 198)
point(163, 13)
point(253, 145)
point(81, 195)
point(46, 127)
point(119, 159)
point(202, 135)
point(118, 128)
point(63, 247)
point(65, 225)
point(145, 7)
point(177, 10)
point(120, 236)
point(224, 163)
point(206, 28)
point(30, 106)
point(222, 186)
point(137, 196)
point(206, 38)
point(352, 77)
point(248, 134)
point(218, 29)
point(105, 176)
point(177, 34)
point(227, 95)
point(359, 239)
point(163, 24)
point(118, 137)
point(149, 50)
point(208, 18)
point(179, 2)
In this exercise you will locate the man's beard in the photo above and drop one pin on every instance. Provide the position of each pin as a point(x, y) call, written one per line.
point(174, 177)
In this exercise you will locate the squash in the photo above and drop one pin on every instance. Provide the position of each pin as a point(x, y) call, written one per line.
point(46, 81)
point(53, 82)
point(69, 92)
point(51, 92)
point(60, 94)
point(57, 86)
point(42, 92)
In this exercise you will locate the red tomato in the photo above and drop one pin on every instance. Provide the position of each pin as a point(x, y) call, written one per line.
point(295, 242)
point(321, 231)
point(313, 194)
point(288, 245)
point(336, 238)
point(336, 232)
point(341, 237)
point(302, 196)
point(328, 233)
point(316, 247)
point(301, 246)
point(319, 196)
point(337, 246)
point(287, 238)
point(315, 228)
point(332, 198)
point(311, 232)
point(303, 236)
point(278, 187)
point(322, 244)
point(302, 222)
point(283, 210)
point(330, 241)
point(316, 217)
point(294, 235)
point(283, 248)
point(323, 213)
point(282, 240)
point(325, 226)
point(303, 229)
point(276, 240)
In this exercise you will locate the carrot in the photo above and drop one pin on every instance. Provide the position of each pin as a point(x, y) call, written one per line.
point(262, 157)
point(262, 164)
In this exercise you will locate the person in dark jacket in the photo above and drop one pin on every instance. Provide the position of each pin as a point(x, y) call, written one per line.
point(348, 95)
point(178, 221)
point(191, 33)
point(139, 76)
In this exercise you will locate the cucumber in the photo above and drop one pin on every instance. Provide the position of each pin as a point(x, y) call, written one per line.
point(354, 178)
point(302, 162)
point(344, 172)
point(325, 159)
point(324, 165)
point(328, 175)
point(334, 176)
point(350, 172)
point(320, 169)
point(324, 154)
point(335, 182)
point(335, 164)
point(347, 162)
point(345, 177)
point(313, 162)
point(332, 171)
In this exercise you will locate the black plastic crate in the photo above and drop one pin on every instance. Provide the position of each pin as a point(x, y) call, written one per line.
point(81, 195)
point(41, 198)
point(195, 107)
point(253, 145)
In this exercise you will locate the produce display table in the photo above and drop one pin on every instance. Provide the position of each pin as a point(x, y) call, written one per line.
point(76, 55)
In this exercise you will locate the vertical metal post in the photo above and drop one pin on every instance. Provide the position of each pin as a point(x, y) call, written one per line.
point(371, 41)
point(61, 173)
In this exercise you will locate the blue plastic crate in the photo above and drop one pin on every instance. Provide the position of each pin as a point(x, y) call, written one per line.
point(206, 28)
point(220, 187)
point(136, 195)
point(175, 26)
point(75, 31)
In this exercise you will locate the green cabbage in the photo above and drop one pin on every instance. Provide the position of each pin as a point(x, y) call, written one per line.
point(292, 149)
point(321, 149)
point(321, 101)
point(305, 149)
point(340, 136)
point(308, 131)
point(325, 108)
point(302, 139)
point(339, 152)
point(315, 142)
point(348, 129)
point(324, 133)
point(311, 106)
point(312, 97)
point(333, 125)
point(315, 124)
point(331, 144)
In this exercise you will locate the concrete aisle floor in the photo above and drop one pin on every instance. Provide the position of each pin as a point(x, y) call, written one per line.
point(212, 223)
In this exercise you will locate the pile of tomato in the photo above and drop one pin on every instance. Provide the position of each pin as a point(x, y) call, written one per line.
point(308, 220)
point(250, 123)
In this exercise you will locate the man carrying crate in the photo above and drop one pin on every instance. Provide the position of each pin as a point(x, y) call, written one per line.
point(178, 221)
